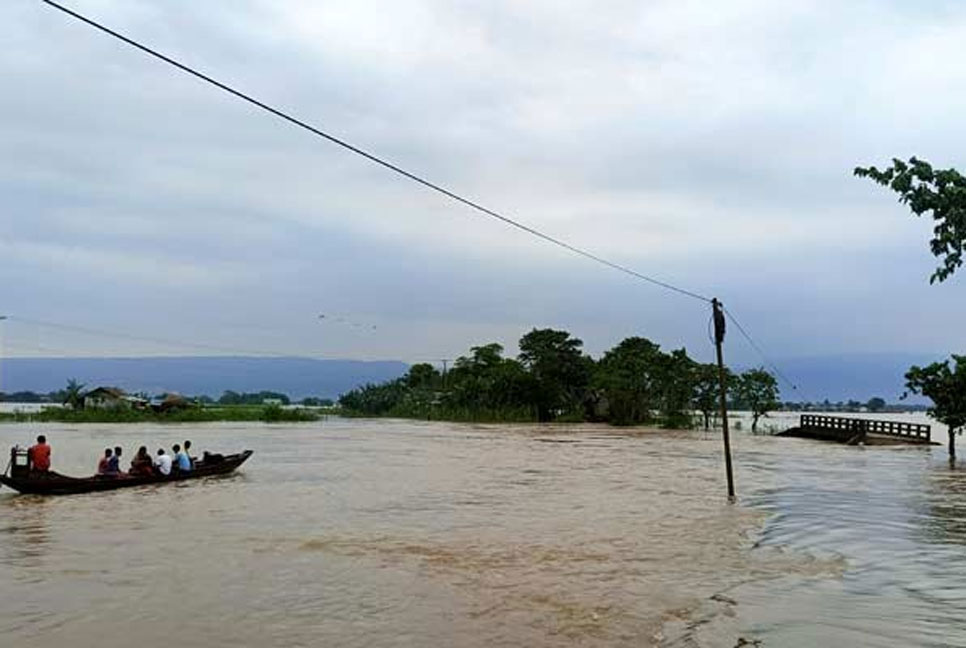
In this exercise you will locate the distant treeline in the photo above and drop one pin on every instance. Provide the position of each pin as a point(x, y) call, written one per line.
point(227, 398)
point(552, 379)
point(257, 398)
point(874, 405)
point(209, 413)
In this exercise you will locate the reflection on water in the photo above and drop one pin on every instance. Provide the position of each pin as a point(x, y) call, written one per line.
point(944, 520)
point(390, 533)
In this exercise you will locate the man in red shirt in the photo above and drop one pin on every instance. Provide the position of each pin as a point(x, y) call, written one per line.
point(39, 455)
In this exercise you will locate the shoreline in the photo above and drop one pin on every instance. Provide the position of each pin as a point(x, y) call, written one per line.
point(211, 414)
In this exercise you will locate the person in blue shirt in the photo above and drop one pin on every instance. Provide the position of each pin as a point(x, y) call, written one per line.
point(187, 451)
point(114, 463)
point(181, 459)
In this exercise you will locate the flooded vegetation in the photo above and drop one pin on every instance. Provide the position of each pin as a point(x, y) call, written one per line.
point(387, 533)
point(552, 379)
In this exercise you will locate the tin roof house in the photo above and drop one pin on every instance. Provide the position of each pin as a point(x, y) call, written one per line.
point(112, 398)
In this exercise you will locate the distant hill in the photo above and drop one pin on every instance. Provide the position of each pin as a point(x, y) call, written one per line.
point(851, 376)
point(837, 378)
point(197, 375)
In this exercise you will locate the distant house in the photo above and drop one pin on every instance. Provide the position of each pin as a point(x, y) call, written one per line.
point(170, 402)
point(112, 398)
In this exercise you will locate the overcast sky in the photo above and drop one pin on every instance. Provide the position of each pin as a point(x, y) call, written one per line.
point(707, 144)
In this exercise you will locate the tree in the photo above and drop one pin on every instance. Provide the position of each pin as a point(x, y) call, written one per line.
point(488, 384)
point(73, 394)
point(757, 391)
point(375, 400)
point(230, 397)
point(677, 378)
point(422, 375)
point(707, 390)
point(561, 373)
point(876, 404)
point(945, 386)
point(925, 190)
point(628, 377)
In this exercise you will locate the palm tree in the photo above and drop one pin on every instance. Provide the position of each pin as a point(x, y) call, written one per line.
point(72, 395)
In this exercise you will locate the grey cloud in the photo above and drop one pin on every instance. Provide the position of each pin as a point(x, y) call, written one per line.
point(708, 146)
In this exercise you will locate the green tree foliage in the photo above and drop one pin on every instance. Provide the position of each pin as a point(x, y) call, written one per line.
point(255, 398)
point(73, 394)
point(876, 404)
point(627, 377)
point(677, 380)
point(633, 383)
point(312, 401)
point(23, 397)
point(375, 400)
point(757, 391)
point(945, 386)
point(486, 381)
point(422, 376)
point(942, 193)
point(560, 371)
point(707, 391)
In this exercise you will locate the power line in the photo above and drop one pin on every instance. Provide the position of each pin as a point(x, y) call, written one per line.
point(407, 174)
point(171, 343)
point(374, 158)
point(757, 348)
point(166, 342)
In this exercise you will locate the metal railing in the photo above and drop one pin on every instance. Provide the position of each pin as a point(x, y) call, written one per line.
point(843, 425)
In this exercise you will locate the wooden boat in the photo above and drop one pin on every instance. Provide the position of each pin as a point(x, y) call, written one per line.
point(20, 478)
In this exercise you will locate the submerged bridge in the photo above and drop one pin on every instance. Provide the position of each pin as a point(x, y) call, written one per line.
point(857, 430)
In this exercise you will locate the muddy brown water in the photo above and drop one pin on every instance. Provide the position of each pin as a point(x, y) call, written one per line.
point(394, 533)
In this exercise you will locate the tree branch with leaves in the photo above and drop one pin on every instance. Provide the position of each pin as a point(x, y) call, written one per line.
point(938, 192)
point(945, 386)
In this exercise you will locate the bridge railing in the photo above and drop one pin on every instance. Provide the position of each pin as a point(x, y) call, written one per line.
point(917, 431)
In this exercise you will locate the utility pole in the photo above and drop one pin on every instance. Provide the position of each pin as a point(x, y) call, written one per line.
point(444, 361)
point(2, 317)
point(719, 336)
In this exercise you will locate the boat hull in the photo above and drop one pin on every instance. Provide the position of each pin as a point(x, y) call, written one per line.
point(57, 484)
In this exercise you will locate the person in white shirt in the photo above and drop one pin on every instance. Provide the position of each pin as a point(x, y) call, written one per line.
point(163, 463)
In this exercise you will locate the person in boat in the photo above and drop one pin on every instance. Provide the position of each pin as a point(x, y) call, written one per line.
point(162, 463)
point(211, 458)
point(187, 451)
point(181, 460)
point(114, 463)
point(142, 464)
point(103, 466)
point(38, 456)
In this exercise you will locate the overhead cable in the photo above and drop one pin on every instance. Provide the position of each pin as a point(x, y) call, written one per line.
point(407, 174)
point(758, 349)
point(164, 342)
point(376, 159)
point(171, 343)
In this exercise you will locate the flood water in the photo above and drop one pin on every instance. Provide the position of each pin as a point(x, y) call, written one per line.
point(390, 533)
